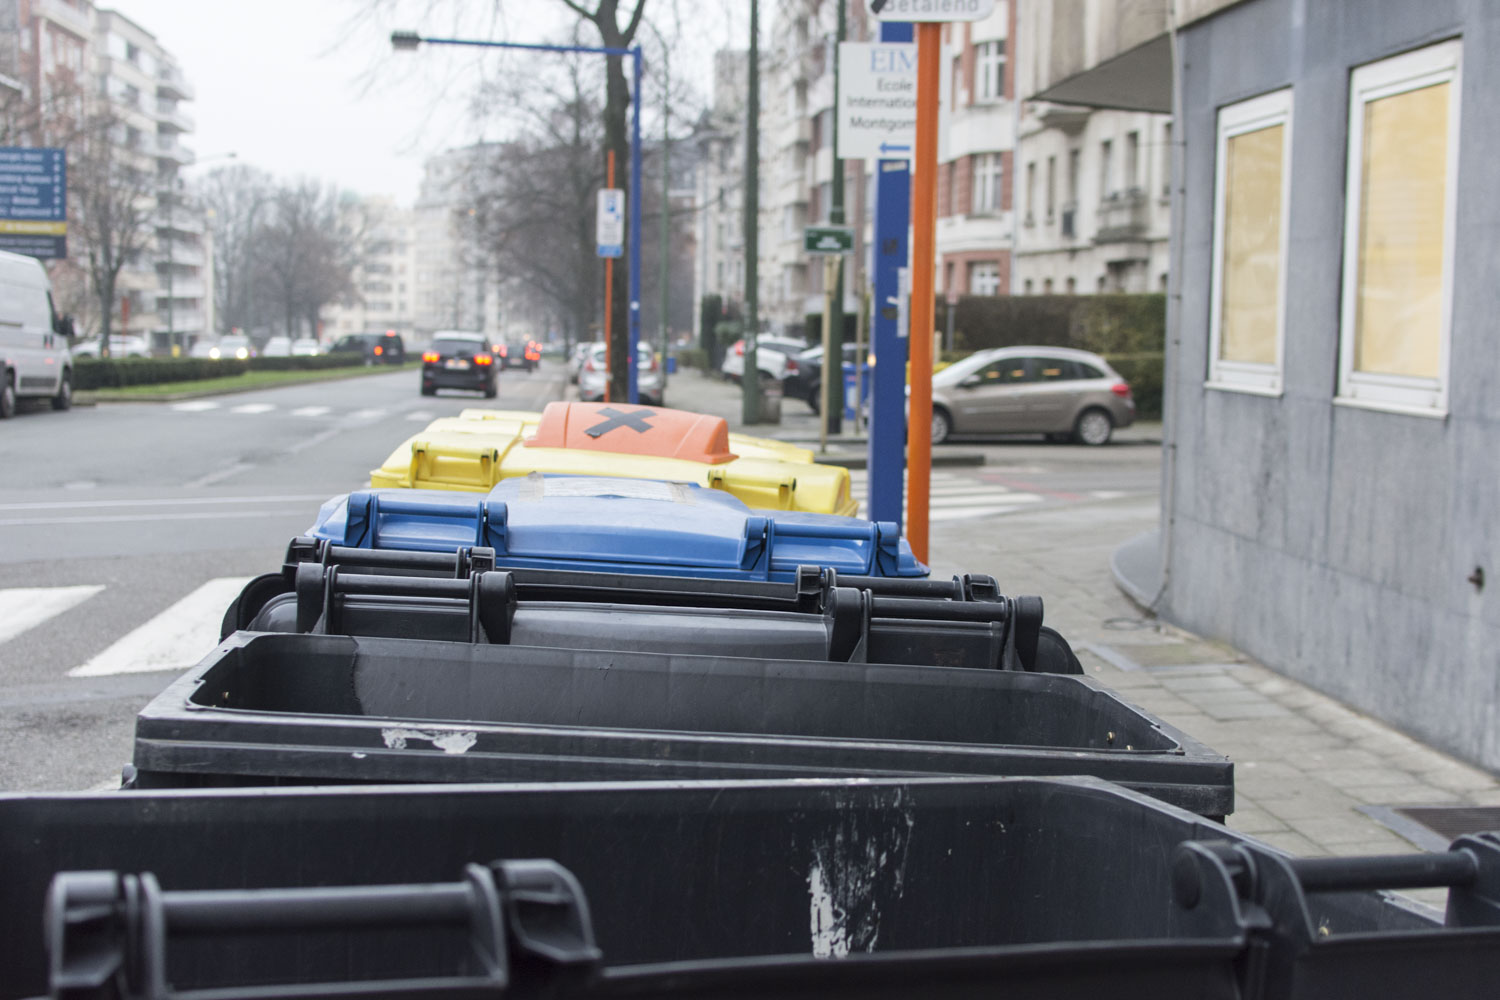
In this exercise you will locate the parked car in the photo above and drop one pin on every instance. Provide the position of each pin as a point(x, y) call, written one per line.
point(305, 347)
point(376, 348)
point(806, 383)
point(277, 347)
point(594, 375)
point(774, 356)
point(1055, 391)
point(577, 358)
point(34, 356)
point(120, 346)
point(459, 361)
point(224, 348)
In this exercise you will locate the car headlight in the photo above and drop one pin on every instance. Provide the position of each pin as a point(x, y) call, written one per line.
point(242, 353)
point(213, 352)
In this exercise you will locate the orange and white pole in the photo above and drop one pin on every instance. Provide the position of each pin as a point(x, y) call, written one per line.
point(923, 239)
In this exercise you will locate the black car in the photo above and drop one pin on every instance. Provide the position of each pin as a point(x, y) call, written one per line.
point(459, 361)
point(806, 383)
point(378, 348)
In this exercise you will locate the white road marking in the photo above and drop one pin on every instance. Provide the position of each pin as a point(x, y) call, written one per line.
point(419, 415)
point(17, 522)
point(310, 411)
point(253, 408)
point(1107, 494)
point(367, 414)
point(23, 608)
point(175, 639)
point(233, 469)
point(195, 406)
point(961, 513)
point(172, 502)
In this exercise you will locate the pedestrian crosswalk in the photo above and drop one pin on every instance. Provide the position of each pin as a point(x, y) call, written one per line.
point(955, 497)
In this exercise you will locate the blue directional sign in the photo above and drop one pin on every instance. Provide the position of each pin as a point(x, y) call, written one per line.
point(34, 201)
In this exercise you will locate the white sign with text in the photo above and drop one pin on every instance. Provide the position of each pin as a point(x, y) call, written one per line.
point(877, 101)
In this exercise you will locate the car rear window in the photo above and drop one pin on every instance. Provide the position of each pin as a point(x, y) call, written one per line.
point(445, 345)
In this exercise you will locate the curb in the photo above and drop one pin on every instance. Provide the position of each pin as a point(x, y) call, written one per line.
point(92, 398)
point(1137, 551)
point(860, 461)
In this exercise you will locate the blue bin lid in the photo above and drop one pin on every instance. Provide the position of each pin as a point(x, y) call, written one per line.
point(616, 524)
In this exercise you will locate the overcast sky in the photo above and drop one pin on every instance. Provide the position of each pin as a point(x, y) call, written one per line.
point(312, 88)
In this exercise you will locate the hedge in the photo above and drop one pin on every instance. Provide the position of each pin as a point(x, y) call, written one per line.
point(1104, 324)
point(691, 357)
point(1144, 372)
point(115, 373)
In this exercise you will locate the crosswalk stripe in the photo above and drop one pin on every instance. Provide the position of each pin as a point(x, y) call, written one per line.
point(195, 406)
point(253, 408)
point(23, 608)
point(367, 414)
point(310, 411)
point(419, 415)
point(175, 639)
point(961, 513)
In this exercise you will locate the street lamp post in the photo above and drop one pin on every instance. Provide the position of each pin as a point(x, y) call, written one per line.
point(407, 41)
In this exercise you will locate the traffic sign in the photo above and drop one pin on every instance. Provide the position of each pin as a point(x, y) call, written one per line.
point(610, 225)
point(931, 10)
point(828, 241)
point(34, 201)
point(877, 101)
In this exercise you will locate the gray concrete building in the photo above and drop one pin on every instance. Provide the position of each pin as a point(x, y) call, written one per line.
point(1332, 472)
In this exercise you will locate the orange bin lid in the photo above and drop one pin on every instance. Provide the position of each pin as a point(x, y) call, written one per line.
point(634, 430)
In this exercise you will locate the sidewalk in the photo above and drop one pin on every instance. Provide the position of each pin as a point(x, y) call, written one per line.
point(1311, 776)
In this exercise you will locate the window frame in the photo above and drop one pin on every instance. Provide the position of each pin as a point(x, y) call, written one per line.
point(1241, 118)
point(1399, 74)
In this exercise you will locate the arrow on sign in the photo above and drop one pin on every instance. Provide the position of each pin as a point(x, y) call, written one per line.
point(887, 147)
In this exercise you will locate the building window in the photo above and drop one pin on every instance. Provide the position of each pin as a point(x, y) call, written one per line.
point(984, 278)
point(1030, 193)
point(1028, 286)
point(987, 169)
point(1398, 231)
point(957, 82)
point(1252, 181)
point(1106, 169)
point(1132, 161)
point(1046, 286)
point(1072, 285)
point(1166, 161)
point(1051, 187)
point(990, 69)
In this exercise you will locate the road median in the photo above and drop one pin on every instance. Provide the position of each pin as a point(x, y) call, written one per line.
point(171, 392)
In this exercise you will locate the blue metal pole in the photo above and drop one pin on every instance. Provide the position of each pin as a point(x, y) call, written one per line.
point(635, 228)
point(887, 455)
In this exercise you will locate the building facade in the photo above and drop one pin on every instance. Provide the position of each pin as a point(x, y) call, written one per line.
point(451, 287)
point(383, 295)
point(719, 192)
point(1331, 470)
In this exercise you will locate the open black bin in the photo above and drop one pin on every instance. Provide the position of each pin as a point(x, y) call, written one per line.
point(936, 887)
point(271, 708)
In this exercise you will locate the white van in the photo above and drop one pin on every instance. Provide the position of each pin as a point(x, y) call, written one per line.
point(34, 356)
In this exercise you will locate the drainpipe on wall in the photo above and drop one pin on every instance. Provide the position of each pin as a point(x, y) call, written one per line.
point(1174, 303)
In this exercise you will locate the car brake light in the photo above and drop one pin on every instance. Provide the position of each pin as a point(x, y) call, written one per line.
point(430, 356)
point(1120, 389)
point(483, 359)
point(791, 366)
point(502, 350)
point(379, 350)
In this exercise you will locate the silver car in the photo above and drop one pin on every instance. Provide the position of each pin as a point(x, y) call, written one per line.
point(1056, 391)
point(594, 374)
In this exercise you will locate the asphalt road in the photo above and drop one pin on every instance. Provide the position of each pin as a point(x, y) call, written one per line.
point(120, 513)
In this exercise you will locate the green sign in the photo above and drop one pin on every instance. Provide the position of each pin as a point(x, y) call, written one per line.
point(828, 240)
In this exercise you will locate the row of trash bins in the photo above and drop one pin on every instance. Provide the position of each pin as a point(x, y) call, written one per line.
point(589, 735)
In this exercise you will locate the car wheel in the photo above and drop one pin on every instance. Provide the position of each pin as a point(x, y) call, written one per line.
point(8, 397)
point(1093, 428)
point(428, 390)
point(942, 425)
point(64, 398)
point(490, 390)
point(815, 398)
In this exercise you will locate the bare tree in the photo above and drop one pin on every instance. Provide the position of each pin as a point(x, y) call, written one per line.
point(237, 198)
point(112, 203)
point(304, 251)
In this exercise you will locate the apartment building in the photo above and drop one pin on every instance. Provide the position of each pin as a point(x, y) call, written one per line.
point(169, 287)
point(1094, 187)
point(384, 295)
point(976, 143)
point(719, 192)
point(451, 287)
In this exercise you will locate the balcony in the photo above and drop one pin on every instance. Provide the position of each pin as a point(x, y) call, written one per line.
point(1124, 217)
point(65, 16)
point(179, 219)
point(1070, 119)
point(170, 83)
point(169, 116)
point(167, 149)
point(181, 254)
point(183, 289)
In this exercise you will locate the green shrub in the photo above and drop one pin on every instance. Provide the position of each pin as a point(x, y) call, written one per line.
point(116, 373)
point(1104, 324)
point(1144, 372)
point(692, 357)
point(308, 362)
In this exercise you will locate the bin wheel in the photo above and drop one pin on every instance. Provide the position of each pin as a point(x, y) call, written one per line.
point(1054, 655)
point(64, 398)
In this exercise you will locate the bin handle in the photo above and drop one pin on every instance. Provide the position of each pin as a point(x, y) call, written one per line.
point(105, 929)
